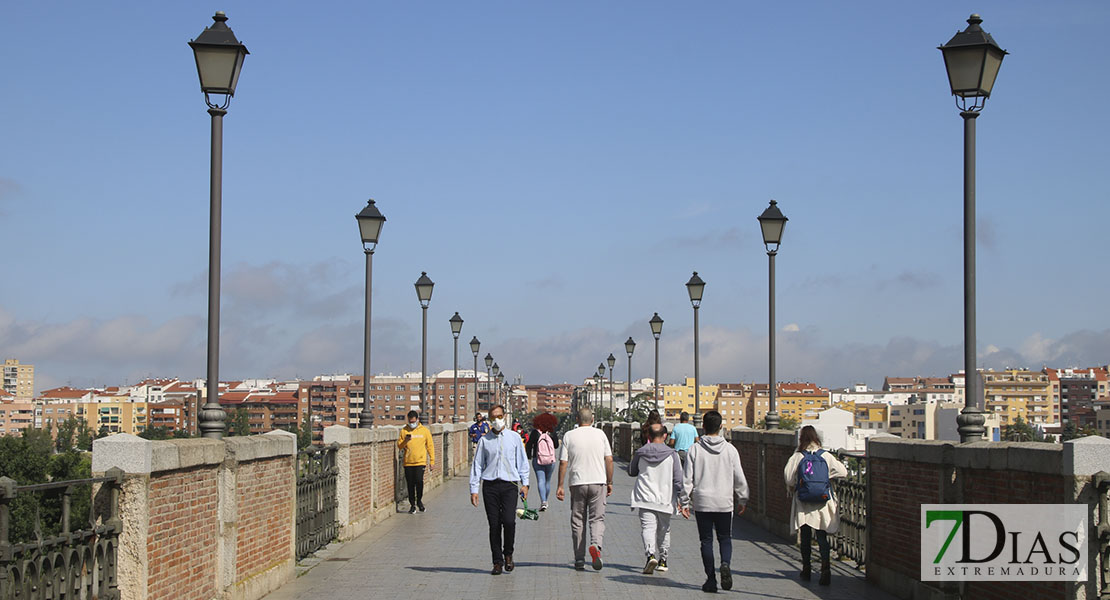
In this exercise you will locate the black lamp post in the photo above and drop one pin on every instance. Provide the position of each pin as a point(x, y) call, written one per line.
point(370, 221)
point(219, 56)
point(598, 378)
point(696, 287)
point(612, 361)
point(475, 345)
point(629, 347)
point(601, 396)
point(456, 329)
point(656, 323)
point(771, 222)
point(972, 59)
point(497, 382)
point(489, 379)
point(424, 287)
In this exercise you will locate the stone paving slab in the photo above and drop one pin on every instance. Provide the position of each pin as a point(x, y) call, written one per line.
point(444, 553)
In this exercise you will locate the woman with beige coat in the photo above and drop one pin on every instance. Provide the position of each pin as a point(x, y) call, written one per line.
point(811, 515)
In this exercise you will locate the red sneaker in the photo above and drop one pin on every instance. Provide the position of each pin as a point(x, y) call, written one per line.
point(595, 554)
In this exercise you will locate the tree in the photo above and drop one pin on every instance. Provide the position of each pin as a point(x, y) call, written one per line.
point(304, 434)
point(1020, 431)
point(181, 434)
point(240, 422)
point(155, 433)
point(1072, 432)
point(84, 436)
point(103, 433)
point(64, 434)
point(637, 411)
point(785, 424)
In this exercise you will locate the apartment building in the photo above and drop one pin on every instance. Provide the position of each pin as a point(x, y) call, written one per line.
point(1014, 393)
point(800, 401)
point(732, 403)
point(1074, 391)
point(18, 380)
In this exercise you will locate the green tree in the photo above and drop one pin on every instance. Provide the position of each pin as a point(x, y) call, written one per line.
point(181, 434)
point(637, 411)
point(785, 423)
point(1020, 431)
point(304, 434)
point(84, 436)
point(65, 434)
point(103, 432)
point(240, 422)
point(155, 433)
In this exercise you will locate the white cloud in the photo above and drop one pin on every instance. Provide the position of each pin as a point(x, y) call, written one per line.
point(792, 327)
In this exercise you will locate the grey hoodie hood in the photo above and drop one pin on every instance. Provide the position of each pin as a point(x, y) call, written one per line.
point(655, 453)
point(712, 443)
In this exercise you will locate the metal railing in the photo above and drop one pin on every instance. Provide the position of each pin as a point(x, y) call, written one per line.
point(317, 499)
point(1102, 533)
point(48, 558)
point(850, 541)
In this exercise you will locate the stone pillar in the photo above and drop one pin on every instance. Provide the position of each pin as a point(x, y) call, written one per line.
point(355, 482)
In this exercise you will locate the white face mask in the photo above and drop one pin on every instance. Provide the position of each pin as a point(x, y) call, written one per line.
point(498, 424)
point(413, 425)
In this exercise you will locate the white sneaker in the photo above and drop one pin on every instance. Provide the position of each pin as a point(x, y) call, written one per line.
point(543, 507)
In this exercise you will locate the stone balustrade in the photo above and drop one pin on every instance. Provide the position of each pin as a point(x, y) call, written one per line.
point(209, 519)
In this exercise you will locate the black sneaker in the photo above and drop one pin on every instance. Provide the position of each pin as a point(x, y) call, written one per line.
point(579, 565)
point(412, 509)
point(662, 566)
point(710, 586)
point(649, 566)
point(726, 577)
point(420, 505)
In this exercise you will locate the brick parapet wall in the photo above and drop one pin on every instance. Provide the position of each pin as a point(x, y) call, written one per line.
point(904, 474)
point(763, 456)
point(210, 519)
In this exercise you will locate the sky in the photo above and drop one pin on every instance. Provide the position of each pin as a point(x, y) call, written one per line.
point(559, 170)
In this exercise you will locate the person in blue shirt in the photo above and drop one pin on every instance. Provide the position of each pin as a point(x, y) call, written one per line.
point(478, 429)
point(683, 436)
point(500, 464)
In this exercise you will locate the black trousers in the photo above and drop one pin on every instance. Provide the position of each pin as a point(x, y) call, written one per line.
point(500, 499)
point(807, 543)
point(414, 477)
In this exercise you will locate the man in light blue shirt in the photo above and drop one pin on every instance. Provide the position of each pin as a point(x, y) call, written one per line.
point(499, 465)
point(683, 436)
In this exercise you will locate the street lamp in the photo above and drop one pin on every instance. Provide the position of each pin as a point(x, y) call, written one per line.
point(598, 377)
point(370, 221)
point(474, 346)
point(696, 287)
point(656, 323)
point(601, 392)
point(219, 56)
point(424, 287)
point(489, 379)
point(456, 328)
point(612, 360)
point(771, 222)
point(972, 59)
point(629, 347)
point(497, 388)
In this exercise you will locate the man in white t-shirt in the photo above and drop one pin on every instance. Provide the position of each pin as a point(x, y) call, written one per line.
point(588, 458)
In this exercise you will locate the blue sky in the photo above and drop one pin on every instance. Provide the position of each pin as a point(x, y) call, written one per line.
point(558, 170)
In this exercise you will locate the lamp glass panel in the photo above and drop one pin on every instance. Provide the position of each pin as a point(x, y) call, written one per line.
point(217, 66)
point(965, 67)
point(696, 291)
point(370, 229)
point(991, 64)
point(772, 230)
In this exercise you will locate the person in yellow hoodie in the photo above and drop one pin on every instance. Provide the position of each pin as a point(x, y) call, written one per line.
point(420, 451)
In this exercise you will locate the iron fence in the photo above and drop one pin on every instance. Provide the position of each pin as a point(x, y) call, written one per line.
point(850, 541)
point(1102, 533)
point(44, 556)
point(317, 499)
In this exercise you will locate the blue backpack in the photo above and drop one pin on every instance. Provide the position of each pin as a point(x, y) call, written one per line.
point(813, 478)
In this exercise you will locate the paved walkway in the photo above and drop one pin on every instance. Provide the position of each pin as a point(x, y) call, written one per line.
point(444, 553)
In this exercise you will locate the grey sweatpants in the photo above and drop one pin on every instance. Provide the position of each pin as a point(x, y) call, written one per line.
point(587, 503)
point(655, 527)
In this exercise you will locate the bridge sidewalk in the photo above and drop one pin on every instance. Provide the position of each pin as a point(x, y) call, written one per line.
point(444, 553)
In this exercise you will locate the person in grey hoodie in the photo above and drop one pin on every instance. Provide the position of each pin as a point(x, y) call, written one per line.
point(657, 492)
point(715, 482)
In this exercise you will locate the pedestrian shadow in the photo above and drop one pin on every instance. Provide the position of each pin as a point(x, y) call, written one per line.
point(640, 578)
point(458, 570)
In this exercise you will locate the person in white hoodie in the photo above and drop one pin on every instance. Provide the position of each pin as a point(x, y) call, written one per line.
point(715, 482)
point(657, 492)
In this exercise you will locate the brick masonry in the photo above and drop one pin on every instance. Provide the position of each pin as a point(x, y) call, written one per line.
point(263, 536)
point(362, 480)
point(182, 528)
